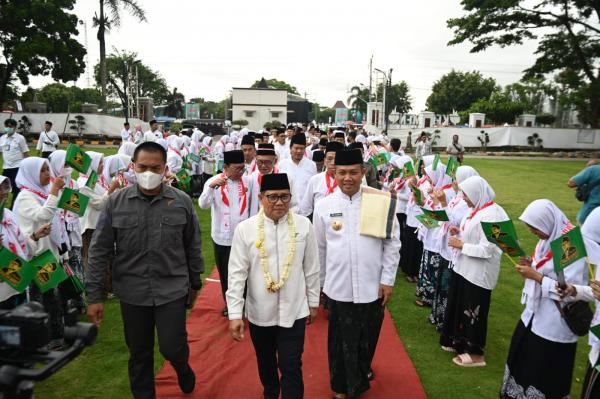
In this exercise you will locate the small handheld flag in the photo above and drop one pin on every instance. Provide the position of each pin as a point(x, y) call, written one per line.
point(504, 235)
point(408, 170)
point(77, 158)
point(567, 249)
point(92, 180)
point(50, 272)
point(427, 221)
point(15, 271)
point(73, 201)
point(439, 215)
point(436, 162)
point(451, 167)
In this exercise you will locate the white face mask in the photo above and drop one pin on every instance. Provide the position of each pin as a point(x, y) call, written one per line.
point(148, 180)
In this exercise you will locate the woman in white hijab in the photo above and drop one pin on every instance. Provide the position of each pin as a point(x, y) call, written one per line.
point(431, 261)
point(476, 274)
point(451, 201)
point(591, 231)
point(208, 159)
point(36, 208)
point(127, 148)
point(542, 350)
point(399, 186)
point(15, 241)
point(98, 196)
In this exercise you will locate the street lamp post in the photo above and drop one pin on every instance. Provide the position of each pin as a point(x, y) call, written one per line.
point(388, 81)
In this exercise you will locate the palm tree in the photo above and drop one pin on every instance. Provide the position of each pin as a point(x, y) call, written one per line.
point(175, 101)
point(104, 22)
point(357, 99)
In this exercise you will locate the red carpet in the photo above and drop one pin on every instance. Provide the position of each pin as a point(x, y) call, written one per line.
point(227, 369)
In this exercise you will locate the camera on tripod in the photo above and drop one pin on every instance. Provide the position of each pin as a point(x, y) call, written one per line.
point(24, 333)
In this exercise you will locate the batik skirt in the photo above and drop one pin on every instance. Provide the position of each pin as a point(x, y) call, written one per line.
point(430, 263)
point(536, 367)
point(440, 299)
point(466, 317)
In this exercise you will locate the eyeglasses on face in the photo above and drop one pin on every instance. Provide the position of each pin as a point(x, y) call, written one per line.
point(264, 163)
point(273, 198)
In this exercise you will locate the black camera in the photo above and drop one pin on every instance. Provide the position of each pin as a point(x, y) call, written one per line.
point(25, 328)
point(24, 334)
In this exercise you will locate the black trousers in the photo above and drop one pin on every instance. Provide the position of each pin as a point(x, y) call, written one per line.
point(46, 154)
point(222, 261)
point(280, 348)
point(12, 175)
point(139, 323)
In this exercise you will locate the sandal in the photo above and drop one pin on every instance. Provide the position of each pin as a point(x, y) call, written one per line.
point(421, 303)
point(467, 361)
point(448, 349)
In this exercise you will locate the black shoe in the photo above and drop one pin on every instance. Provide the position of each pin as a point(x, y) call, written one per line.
point(187, 380)
point(225, 312)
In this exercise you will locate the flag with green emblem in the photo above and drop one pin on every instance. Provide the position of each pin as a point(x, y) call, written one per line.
point(427, 221)
point(77, 158)
point(504, 235)
point(15, 271)
point(92, 180)
point(50, 272)
point(567, 249)
point(73, 201)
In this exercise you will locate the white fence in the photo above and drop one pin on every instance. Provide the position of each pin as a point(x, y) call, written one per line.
point(109, 126)
point(566, 139)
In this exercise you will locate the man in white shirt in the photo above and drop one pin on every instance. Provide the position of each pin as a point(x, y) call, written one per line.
point(279, 303)
point(126, 134)
point(153, 134)
point(14, 149)
point(249, 149)
point(282, 149)
point(358, 271)
point(323, 184)
point(423, 146)
point(339, 136)
point(298, 167)
point(227, 196)
point(48, 141)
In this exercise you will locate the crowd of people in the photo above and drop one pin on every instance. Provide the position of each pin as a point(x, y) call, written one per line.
point(300, 218)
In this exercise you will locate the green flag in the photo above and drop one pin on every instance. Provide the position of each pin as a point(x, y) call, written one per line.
point(203, 151)
point(440, 215)
point(451, 167)
point(75, 284)
point(77, 158)
point(595, 330)
point(194, 157)
point(436, 162)
point(73, 201)
point(182, 175)
point(567, 249)
point(428, 222)
point(408, 170)
point(418, 195)
point(183, 180)
point(504, 235)
point(15, 271)
point(50, 272)
point(384, 157)
point(92, 180)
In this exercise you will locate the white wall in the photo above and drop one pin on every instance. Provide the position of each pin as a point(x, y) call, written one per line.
point(107, 125)
point(262, 102)
point(583, 139)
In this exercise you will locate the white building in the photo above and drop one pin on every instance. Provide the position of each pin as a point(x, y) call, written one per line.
point(476, 120)
point(259, 106)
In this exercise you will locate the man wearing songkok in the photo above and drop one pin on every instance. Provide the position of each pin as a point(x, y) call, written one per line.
point(249, 149)
point(265, 165)
point(358, 239)
point(318, 157)
point(227, 196)
point(339, 136)
point(298, 167)
point(274, 255)
point(323, 184)
point(282, 147)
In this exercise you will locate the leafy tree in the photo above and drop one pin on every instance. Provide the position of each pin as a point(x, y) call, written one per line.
point(397, 96)
point(500, 108)
point(150, 83)
point(358, 98)
point(105, 22)
point(457, 90)
point(240, 122)
point(568, 36)
point(532, 93)
point(36, 38)
point(545, 119)
point(326, 114)
point(277, 84)
point(60, 98)
point(175, 104)
point(272, 125)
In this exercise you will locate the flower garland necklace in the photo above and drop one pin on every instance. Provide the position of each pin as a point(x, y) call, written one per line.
point(272, 286)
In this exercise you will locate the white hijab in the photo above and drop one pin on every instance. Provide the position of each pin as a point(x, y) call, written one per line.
point(207, 141)
point(477, 189)
point(112, 164)
point(127, 148)
point(464, 172)
point(96, 158)
point(591, 231)
point(543, 215)
point(29, 174)
point(438, 177)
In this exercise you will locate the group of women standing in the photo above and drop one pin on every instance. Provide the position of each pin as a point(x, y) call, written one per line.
point(456, 269)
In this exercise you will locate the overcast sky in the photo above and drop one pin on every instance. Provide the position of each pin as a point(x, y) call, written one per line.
point(322, 47)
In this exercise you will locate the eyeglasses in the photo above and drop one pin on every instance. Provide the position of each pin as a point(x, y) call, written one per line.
point(264, 163)
point(273, 198)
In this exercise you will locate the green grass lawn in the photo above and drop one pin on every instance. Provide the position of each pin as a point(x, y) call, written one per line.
point(101, 371)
